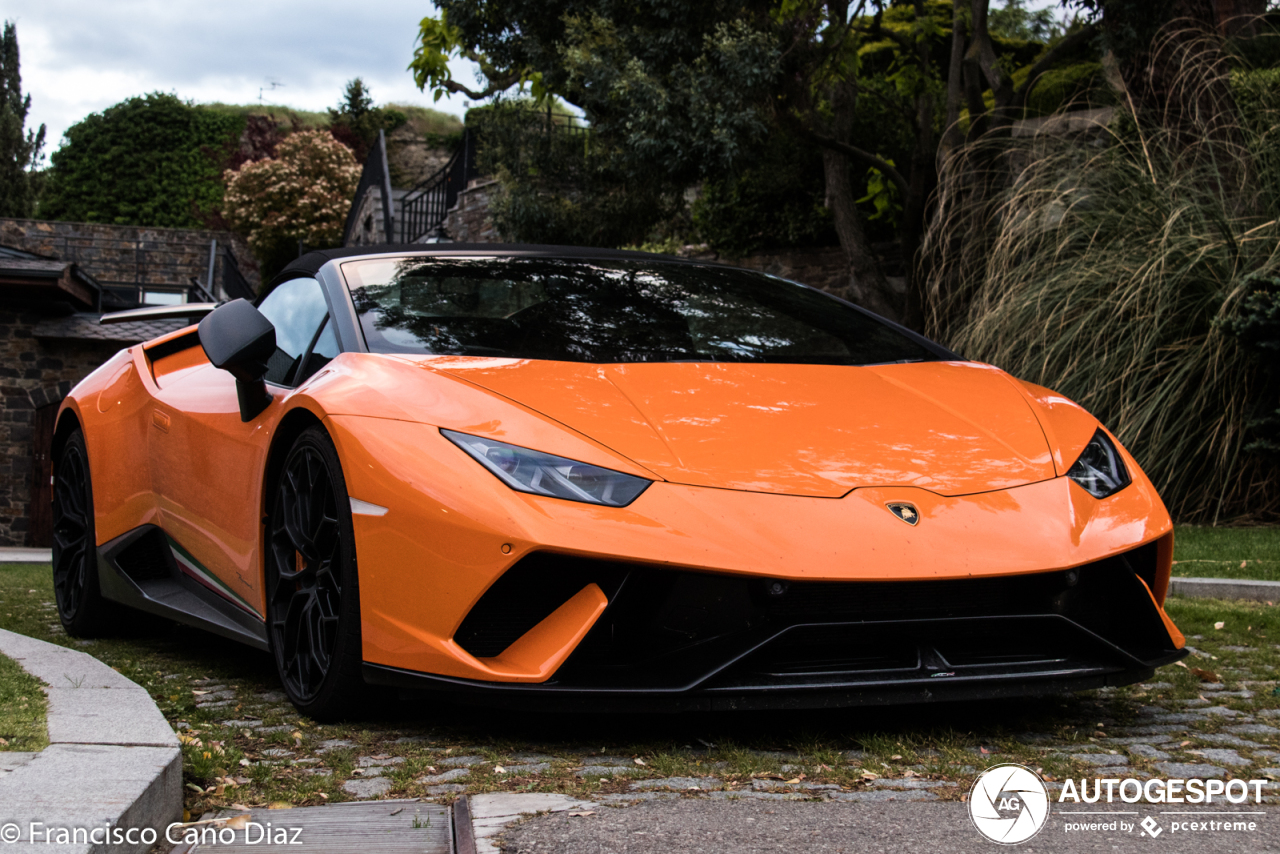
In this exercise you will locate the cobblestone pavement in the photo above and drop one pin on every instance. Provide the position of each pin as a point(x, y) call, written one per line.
point(865, 756)
point(1177, 725)
point(1215, 715)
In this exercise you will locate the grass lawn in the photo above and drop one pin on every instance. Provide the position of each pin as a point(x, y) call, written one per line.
point(1203, 552)
point(22, 709)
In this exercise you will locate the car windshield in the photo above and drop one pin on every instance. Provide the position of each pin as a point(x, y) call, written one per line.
point(610, 311)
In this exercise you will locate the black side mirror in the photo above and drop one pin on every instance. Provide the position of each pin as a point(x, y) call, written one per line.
point(238, 339)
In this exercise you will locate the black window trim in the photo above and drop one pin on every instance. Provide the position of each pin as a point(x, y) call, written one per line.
point(315, 339)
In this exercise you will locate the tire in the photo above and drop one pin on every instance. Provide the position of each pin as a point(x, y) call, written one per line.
point(81, 607)
point(313, 594)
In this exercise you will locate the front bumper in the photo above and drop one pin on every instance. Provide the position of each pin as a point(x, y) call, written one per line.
point(454, 537)
point(682, 640)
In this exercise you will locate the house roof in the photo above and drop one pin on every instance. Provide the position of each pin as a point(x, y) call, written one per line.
point(34, 267)
point(14, 252)
point(84, 326)
point(35, 278)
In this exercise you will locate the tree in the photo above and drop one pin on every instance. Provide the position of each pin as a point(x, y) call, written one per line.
point(685, 90)
point(301, 195)
point(1132, 267)
point(1016, 21)
point(152, 161)
point(20, 149)
point(356, 121)
point(774, 198)
point(561, 186)
point(1257, 328)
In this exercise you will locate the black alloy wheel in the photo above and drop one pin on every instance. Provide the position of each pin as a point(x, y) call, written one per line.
point(313, 610)
point(81, 608)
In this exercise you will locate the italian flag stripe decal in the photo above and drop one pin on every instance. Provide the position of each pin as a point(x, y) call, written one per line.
point(192, 569)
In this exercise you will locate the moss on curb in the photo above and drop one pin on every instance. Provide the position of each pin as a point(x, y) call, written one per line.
point(22, 709)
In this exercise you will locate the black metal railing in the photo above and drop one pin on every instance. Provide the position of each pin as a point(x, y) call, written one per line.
point(131, 271)
point(424, 207)
point(567, 124)
point(234, 283)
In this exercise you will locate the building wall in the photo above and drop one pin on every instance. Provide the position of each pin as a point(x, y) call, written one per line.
point(126, 255)
point(33, 374)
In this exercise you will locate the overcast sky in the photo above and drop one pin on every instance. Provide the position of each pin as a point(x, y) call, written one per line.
point(81, 56)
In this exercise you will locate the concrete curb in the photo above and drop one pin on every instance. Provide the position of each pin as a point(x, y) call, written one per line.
point(112, 760)
point(1226, 588)
point(490, 814)
point(11, 554)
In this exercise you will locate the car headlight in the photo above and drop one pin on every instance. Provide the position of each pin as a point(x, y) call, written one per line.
point(1099, 469)
point(544, 474)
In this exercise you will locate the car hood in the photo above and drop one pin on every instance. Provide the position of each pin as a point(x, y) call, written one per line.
point(952, 428)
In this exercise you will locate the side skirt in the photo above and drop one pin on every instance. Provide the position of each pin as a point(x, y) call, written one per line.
point(138, 569)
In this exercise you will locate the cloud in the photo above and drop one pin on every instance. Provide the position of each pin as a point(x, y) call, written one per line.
point(80, 57)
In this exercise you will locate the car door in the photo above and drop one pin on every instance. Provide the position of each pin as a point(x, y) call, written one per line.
point(207, 464)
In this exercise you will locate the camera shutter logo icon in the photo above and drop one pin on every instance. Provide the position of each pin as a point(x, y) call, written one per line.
point(1009, 804)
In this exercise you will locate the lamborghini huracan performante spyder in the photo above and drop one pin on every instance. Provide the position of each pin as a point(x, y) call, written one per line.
point(603, 478)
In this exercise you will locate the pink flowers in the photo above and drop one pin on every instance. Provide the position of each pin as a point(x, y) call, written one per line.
point(302, 194)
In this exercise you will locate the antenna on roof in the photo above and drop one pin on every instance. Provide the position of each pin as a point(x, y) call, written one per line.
point(271, 86)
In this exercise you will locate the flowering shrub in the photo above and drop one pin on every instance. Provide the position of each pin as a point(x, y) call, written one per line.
point(303, 193)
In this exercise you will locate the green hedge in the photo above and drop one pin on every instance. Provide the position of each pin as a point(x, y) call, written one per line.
point(149, 161)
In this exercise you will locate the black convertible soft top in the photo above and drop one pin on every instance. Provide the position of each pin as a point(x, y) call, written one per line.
point(310, 263)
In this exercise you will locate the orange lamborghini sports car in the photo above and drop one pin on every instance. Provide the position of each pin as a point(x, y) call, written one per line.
point(588, 477)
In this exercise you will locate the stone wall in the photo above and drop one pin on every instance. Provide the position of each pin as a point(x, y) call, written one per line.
point(370, 224)
point(33, 374)
point(823, 267)
point(126, 256)
point(468, 220)
point(411, 158)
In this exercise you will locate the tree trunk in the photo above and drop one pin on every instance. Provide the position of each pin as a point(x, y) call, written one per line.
point(924, 178)
point(952, 138)
point(867, 286)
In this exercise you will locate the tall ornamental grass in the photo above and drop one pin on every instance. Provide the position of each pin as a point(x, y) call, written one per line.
point(1104, 266)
